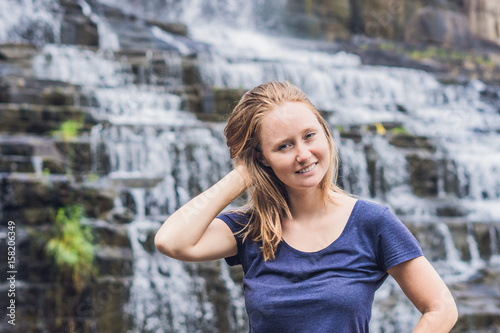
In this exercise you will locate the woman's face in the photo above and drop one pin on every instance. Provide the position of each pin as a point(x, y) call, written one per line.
point(294, 145)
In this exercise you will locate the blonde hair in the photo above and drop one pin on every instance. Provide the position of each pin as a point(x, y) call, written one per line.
point(269, 200)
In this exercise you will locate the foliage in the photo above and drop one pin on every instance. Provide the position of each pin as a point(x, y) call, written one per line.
point(68, 130)
point(400, 130)
point(71, 246)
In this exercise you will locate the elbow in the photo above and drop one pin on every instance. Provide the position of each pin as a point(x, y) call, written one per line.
point(450, 317)
point(449, 310)
point(168, 248)
point(453, 314)
point(162, 245)
point(159, 243)
point(444, 317)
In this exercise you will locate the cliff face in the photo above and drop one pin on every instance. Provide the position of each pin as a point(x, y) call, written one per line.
point(483, 17)
point(451, 23)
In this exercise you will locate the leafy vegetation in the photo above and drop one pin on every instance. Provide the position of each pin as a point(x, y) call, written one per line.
point(400, 130)
point(68, 130)
point(71, 246)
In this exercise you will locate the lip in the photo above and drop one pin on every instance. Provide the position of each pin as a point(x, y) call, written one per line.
point(312, 164)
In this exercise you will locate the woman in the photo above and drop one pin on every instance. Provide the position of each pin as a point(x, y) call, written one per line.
point(313, 256)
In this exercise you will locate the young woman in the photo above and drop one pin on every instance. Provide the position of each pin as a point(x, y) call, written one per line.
point(312, 255)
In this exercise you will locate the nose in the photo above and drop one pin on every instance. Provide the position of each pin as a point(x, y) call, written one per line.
point(303, 153)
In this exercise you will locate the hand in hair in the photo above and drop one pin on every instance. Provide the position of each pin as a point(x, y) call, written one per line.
point(241, 168)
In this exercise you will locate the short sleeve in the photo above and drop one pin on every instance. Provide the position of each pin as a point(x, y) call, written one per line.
point(235, 221)
point(396, 244)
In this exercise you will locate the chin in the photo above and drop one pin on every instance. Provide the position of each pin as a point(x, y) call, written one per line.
point(305, 186)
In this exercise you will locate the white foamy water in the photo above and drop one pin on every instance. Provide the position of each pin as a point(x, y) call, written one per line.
point(36, 21)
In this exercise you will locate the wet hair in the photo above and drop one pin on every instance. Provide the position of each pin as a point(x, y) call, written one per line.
point(269, 200)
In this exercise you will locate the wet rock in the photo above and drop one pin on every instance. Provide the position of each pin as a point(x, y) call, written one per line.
point(412, 142)
point(106, 301)
point(4, 92)
point(438, 26)
point(77, 155)
point(12, 164)
point(15, 147)
point(116, 261)
point(12, 51)
point(483, 17)
point(451, 182)
point(35, 201)
point(216, 290)
point(487, 236)
point(459, 232)
point(54, 167)
point(121, 215)
point(423, 175)
point(128, 201)
point(172, 27)
point(328, 20)
point(38, 119)
point(478, 302)
point(371, 165)
point(58, 96)
point(219, 103)
point(351, 135)
point(76, 27)
point(96, 202)
point(22, 90)
point(190, 72)
point(450, 210)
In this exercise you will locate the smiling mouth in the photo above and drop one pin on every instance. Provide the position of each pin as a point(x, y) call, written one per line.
point(309, 168)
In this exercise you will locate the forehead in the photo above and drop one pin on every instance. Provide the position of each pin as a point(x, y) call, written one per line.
point(287, 119)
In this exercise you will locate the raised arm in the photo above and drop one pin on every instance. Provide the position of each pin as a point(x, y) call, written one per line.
point(193, 233)
point(427, 291)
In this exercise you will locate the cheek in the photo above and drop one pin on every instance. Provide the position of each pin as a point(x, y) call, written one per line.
point(279, 163)
point(325, 148)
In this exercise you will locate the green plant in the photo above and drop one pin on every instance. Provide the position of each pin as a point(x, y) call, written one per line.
point(400, 130)
point(92, 177)
point(71, 246)
point(387, 46)
point(68, 130)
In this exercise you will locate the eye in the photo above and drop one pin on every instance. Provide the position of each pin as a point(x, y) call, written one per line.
point(310, 135)
point(284, 146)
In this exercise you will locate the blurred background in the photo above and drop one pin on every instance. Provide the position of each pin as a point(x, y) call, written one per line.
point(111, 117)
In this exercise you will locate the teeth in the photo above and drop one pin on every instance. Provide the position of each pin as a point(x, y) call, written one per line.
point(307, 169)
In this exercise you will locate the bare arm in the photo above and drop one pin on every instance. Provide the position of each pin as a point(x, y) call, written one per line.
point(427, 291)
point(193, 233)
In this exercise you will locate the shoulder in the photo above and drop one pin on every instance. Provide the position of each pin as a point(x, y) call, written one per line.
point(371, 209)
point(373, 216)
point(359, 206)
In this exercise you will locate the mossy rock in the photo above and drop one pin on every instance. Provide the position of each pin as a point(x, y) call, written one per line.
point(42, 120)
point(423, 175)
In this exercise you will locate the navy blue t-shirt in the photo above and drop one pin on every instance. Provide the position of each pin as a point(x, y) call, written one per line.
point(330, 290)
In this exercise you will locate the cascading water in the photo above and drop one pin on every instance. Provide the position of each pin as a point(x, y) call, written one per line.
point(35, 21)
point(160, 156)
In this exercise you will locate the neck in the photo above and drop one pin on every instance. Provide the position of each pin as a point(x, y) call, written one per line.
point(306, 203)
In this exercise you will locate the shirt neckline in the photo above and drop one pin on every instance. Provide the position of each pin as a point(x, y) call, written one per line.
point(344, 231)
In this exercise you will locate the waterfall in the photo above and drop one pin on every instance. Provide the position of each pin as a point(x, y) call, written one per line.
point(35, 21)
point(394, 128)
